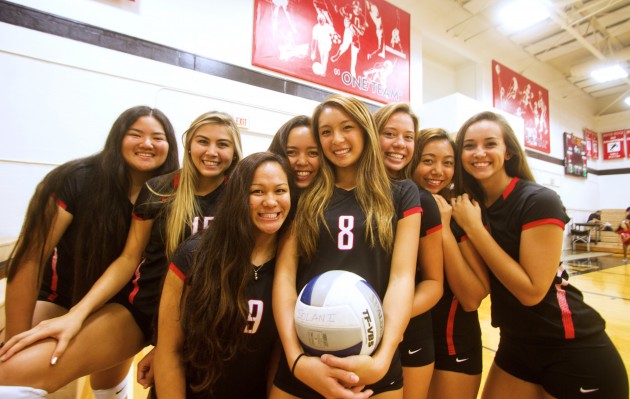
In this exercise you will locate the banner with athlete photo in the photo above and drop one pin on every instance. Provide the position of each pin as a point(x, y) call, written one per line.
point(591, 139)
point(355, 46)
point(614, 143)
point(517, 95)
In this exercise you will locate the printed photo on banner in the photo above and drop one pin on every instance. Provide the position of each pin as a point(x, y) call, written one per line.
point(515, 94)
point(591, 138)
point(359, 47)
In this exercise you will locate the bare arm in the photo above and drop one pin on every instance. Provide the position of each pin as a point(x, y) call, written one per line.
point(529, 278)
point(23, 288)
point(170, 373)
point(430, 289)
point(465, 271)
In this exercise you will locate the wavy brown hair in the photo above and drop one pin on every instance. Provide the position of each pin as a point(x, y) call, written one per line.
point(104, 224)
point(214, 306)
point(373, 189)
point(281, 138)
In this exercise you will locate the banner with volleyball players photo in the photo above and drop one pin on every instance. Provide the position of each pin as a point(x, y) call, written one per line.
point(517, 95)
point(356, 46)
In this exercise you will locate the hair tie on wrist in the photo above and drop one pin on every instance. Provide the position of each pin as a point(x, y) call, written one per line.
point(295, 363)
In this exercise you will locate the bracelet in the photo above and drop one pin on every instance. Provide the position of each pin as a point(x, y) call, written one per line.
point(295, 363)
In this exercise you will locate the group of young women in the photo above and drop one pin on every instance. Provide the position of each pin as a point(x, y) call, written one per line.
point(224, 245)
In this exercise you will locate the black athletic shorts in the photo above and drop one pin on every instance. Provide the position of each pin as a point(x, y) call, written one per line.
point(417, 349)
point(589, 367)
point(144, 322)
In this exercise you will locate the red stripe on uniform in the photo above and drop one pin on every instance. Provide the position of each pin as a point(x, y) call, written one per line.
point(450, 326)
point(62, 204)
point(540, 222)
point(133, 215)
point(567, 316)
point(55, 277)
point(434, 229)
point(173, 267)
point(508, 190)
point(134, 282)
point(412, 211)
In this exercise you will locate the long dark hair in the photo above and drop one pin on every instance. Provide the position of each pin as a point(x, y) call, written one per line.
point(281, 138)
point(104, 224)
point(516, 166)
point(215, 309)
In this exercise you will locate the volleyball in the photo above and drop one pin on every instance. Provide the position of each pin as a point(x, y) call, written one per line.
point(339, 313)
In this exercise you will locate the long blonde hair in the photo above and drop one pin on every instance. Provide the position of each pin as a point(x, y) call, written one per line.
point(382, 116)
point(183, 206)
point(373, 189)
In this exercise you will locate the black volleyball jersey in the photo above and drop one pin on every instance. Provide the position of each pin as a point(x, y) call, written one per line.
point(73, 195)
point(143, 291)
point(562, 314)
point(244, 376)
point(345, 247)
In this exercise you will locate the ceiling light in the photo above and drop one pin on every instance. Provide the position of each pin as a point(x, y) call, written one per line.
point(521, 14)
point(627, 101)
point(608, 73)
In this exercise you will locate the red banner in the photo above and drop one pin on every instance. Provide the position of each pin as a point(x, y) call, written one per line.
point(515, 94)
point(359, 47)
point(592, 143)
point(613, 144)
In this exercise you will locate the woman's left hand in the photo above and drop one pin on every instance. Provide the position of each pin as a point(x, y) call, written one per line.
point(467, 212)
point(63, 329)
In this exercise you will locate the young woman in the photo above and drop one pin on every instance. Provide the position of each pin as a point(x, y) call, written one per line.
point(91, 198)
point(552, 343)
point(456, 329)
point(624, 234)
point(351, 218)
point(118, 311)
point(397, 127)
point(295, 142)
point(219, 345)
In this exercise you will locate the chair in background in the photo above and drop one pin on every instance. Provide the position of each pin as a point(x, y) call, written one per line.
point(581, 233)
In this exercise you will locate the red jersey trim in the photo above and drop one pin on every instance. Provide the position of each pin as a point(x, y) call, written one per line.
point(133, 215)
point(540, 222)
point(134, 282)
point(412, 211)
point(54, 282)
point(173, 267)
point(508, 190)
point(434, 229)
point(450, 326)
point(61, 203)
point(567, 315)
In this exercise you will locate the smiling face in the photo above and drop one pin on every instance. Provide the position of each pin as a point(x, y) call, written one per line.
point(341, 138)
point(269, 198)
point(212, 150)
point(303, 155)
point(396, 140)
point(484, 152)
point(144, 146)
point(436, 167)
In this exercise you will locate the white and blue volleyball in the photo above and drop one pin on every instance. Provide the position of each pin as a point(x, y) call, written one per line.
point(339, 313)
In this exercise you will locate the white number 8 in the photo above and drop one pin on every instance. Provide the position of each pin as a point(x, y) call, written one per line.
point(345, 238)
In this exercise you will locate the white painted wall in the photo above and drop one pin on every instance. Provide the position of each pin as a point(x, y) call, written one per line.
point(59, 97)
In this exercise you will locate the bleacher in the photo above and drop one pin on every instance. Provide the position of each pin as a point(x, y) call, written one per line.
point(607, 241)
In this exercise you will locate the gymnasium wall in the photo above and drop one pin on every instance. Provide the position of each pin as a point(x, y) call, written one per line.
point(60, 96)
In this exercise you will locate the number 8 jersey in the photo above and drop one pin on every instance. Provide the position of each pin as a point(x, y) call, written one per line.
point(346, 246)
